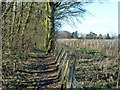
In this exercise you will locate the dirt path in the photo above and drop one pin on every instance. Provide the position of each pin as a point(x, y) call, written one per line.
point(37, 72)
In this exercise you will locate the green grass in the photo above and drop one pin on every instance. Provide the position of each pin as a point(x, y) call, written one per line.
point(30, 87)
point(37, 50)
point(90, 51)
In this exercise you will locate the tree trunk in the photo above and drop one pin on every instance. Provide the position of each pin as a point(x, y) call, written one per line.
point(51, 29)
point(46, 27)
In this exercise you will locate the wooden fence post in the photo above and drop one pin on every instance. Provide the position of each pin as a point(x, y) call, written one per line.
point(62, 65)
point(58, 54)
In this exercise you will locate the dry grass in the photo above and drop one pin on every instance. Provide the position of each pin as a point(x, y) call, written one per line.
point(109, 47)
point(96, 61)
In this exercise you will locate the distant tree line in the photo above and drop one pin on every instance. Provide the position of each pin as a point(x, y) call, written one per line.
point(76, 35)
point(93, 35)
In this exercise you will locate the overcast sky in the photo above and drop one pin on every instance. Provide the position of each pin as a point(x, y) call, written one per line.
point(104, 19)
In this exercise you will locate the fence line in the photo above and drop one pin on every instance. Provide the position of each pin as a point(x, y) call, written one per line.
point(66, 68)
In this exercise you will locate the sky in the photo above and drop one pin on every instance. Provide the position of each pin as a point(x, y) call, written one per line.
point(103, 18)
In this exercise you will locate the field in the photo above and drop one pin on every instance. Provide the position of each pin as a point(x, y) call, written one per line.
point(110, 47)
point(97, 61)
